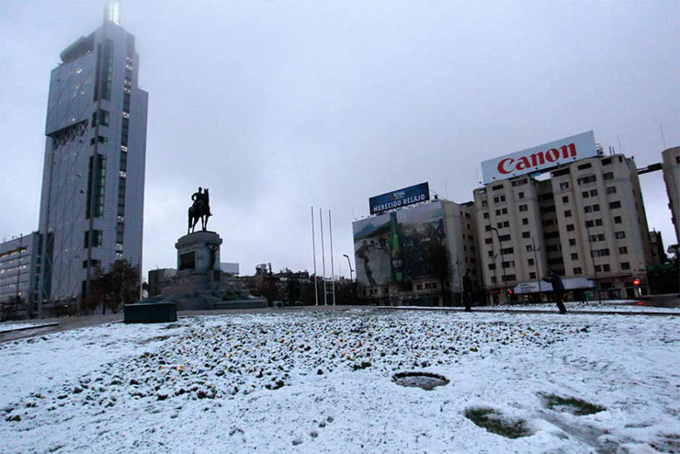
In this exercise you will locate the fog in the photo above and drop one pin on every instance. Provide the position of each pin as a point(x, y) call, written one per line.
point(277, 106)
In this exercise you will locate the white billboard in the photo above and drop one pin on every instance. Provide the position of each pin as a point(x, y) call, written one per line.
point(539, 158)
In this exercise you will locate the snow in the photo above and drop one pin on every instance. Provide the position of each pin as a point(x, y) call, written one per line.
point(322, 382)
point(605, 306)
point(6, 327)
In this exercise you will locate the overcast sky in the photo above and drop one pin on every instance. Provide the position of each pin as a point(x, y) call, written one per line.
point(280, 105)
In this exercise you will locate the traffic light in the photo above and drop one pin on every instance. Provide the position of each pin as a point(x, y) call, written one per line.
point(636, 282)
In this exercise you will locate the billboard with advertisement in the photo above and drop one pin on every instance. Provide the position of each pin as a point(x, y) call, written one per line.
point(401, 198)
point(540, 158)
point(401, 246)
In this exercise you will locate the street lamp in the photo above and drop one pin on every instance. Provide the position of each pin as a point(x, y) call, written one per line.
point(350, 267)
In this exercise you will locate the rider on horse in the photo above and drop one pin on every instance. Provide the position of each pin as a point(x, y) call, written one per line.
point(200, 201)
point(200, 208)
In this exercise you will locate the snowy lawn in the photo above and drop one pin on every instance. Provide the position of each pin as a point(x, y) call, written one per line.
point(606, 306)
point(322, 382)
point(9, 326)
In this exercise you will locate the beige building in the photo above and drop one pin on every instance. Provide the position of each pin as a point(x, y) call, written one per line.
point(585, 220)
point(671, 175)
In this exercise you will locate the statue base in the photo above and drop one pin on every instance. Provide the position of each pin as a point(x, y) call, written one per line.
point(199, 283)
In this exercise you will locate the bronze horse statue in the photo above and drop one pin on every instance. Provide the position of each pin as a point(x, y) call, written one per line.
point(199, 210)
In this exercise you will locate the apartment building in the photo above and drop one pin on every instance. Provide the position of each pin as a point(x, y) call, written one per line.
point(671, 176)
point(582, 217)
point(18, 269)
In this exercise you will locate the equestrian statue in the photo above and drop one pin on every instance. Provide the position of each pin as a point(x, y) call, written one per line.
point(199, 210)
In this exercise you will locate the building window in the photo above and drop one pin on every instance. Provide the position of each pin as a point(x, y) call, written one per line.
point(598, 268)
point(578, 271)
point(101, 139)
point(572, 242)
point(617, 219)
point(522, 208)
point(620, 235)
point(531, 261)
point(525, 221)
point(520, 195)
point(567, 214)
point(564, 185)
point(574, 256)
point(606, 268)
point(584, 166)
point(492, 266)
point(488, 241)
point(486, 215)
point(608, 176)
point(565, 199)
point(498, 187)
point(623, 250)
point(484, 204)
point(625, 266)
point(507, 250)
point(519, 182)
point(614, 205)
point(490, 254)
point(526, 235)
point(529, 248)
point(97, 238)
point(98, 174)
point(586, 180)
point(611, 190)
point(570, 227)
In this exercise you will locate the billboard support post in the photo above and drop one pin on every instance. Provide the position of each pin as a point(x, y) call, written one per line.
point(316, 290)
point(330, 228)
point(323, 260)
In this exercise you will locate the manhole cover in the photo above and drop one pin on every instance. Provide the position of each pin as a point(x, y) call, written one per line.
point(424, 380)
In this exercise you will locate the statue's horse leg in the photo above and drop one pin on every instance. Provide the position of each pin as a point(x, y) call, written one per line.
point(189, 227)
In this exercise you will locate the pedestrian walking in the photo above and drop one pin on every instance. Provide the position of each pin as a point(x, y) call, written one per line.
point(467, 291)
point(558, 290)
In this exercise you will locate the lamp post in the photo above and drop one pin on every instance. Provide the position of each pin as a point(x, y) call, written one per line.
point(592, 257)
point(500, 246)
point(350, 267)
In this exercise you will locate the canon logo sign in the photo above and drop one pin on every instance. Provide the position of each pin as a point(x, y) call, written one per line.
point(540, 158)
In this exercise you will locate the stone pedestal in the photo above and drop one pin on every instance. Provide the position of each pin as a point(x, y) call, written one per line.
point(198, 283)
point(198, 264)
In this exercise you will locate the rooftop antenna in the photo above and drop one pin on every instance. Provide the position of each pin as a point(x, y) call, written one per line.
point(113, 12)
point(619, 140)
point(663, 137)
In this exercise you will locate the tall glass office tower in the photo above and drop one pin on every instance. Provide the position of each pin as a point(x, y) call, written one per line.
point(92, 202)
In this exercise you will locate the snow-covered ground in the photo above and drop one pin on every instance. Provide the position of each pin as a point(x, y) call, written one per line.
point(605, 306)
point(13, 326)
point(322, 382)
